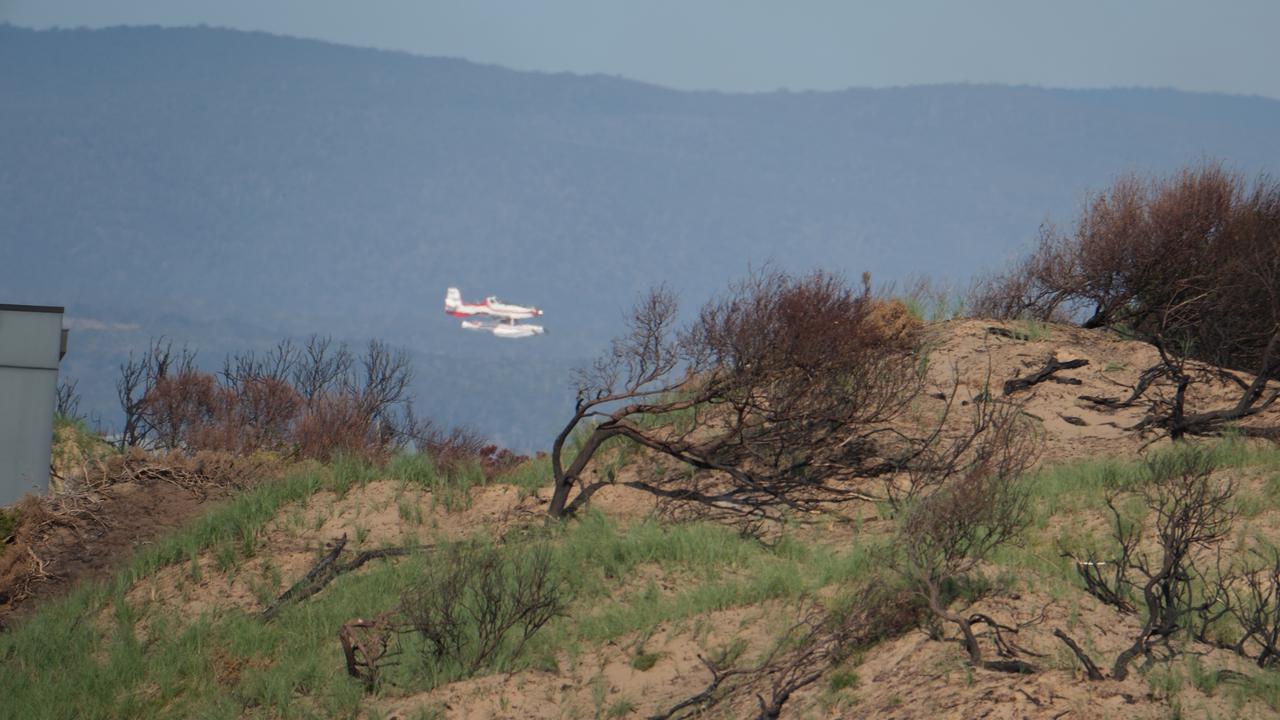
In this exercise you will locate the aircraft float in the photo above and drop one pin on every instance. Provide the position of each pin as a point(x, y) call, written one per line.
point(492, 315)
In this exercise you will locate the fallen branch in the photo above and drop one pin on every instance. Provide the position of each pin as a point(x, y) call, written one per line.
point(1091, 670)
point(1207, 423)
point(1145, 381)
point(327, 569)
point(1264, 433)
point(1006, 647)
point(718, 676)
point(1051, 366)
point(1011, 334)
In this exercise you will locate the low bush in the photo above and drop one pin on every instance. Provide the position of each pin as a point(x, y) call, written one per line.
point(476, 607)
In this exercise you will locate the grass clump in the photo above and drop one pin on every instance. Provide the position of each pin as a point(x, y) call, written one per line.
point(842, 680)
point(450, 483)
point(9, 519)
point(1263, 686)
point(530, 475)
point(414, 469)
point(621, 707)
point(644, 660)
point(1034, 330)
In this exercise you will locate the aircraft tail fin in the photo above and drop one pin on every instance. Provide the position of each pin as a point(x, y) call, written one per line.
point(452, 298)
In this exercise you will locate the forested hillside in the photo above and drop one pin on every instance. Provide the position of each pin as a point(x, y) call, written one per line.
point(227, 189)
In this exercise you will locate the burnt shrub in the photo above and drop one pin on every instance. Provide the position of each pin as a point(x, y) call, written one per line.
point(476, 606)
point(781, 388)
point(1191, 259)
point(333, 425)
point(179, 406)
point(318, 400)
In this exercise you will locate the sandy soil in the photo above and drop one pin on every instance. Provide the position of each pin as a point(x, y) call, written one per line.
point(917, 677)
point(968, 357)
point(604, 679)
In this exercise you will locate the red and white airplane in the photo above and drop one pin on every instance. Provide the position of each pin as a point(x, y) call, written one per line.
point(495, 316)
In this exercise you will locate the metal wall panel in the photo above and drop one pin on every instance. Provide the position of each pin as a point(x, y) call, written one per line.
point(30, 341)
point(27, 399)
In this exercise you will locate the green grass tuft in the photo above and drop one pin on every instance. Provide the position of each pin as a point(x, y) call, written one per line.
point(643, 660)
point(530, 475)
point(621, 707)
point(842, 680)
point(9, 518)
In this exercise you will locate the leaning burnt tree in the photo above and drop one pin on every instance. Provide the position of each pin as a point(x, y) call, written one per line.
point(1190, 264)
point(791, 393)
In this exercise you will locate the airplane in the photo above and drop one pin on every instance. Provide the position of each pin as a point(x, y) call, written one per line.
point(504, 315)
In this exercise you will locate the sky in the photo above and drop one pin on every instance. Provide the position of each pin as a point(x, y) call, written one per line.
point(758, 45)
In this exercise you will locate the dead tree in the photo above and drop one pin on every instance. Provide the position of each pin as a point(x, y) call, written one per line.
point(996, 439)
point(341, 403)
point(1170, 414)
point(138, 378)
point(1252, 599)
point(68, 400)
point(278, 363)
point(1134, 249)
point(1191, 511)
point(322, 367)
point(178, 405)
point(386, 377)
point(785, 389)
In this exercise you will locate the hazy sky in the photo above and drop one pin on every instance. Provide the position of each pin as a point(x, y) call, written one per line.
point(1226, 46)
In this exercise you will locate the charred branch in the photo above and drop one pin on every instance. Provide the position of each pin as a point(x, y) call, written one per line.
point(1108, 580)
point(1090, 668)
point(368, 646)
point(1051, 366)
point(1006, 333)
point(328, 568)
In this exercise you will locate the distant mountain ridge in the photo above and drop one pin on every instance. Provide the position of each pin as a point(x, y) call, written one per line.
point(226, 188)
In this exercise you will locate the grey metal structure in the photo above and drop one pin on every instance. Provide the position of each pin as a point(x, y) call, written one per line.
point(32, 342)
